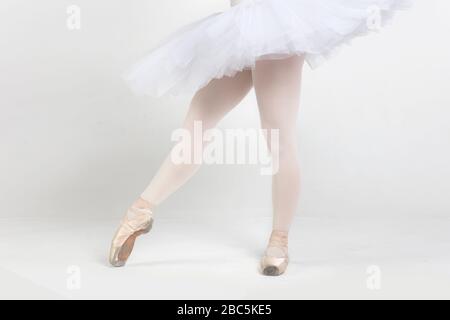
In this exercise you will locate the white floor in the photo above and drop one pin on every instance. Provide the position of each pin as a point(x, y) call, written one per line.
point(188, 259)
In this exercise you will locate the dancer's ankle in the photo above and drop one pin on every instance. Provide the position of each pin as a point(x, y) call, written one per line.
point(280, 237)
point(141, 203)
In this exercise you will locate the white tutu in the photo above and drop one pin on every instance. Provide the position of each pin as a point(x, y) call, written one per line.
point(226, 43)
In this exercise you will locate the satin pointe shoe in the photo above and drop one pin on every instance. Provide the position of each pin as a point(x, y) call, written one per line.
point(135, 223)
point(276, 258)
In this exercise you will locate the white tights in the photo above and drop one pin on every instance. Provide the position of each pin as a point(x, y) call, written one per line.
point(277, 86)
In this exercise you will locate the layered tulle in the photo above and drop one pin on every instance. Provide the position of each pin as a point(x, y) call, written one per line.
point(226, 43)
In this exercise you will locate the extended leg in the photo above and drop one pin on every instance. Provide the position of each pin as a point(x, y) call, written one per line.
point(209, 106)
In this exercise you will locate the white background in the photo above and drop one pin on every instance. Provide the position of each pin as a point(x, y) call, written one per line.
point(76, 144)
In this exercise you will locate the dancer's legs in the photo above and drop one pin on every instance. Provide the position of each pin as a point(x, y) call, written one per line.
point(277, 85)
point(209, 106)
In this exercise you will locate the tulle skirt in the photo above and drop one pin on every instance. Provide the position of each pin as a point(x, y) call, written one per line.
point(229, 42)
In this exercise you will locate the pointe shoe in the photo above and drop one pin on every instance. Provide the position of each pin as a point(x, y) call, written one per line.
point(276, 258)
point(135, 223)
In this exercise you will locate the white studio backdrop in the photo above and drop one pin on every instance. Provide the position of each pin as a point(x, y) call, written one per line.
point(374, 123)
